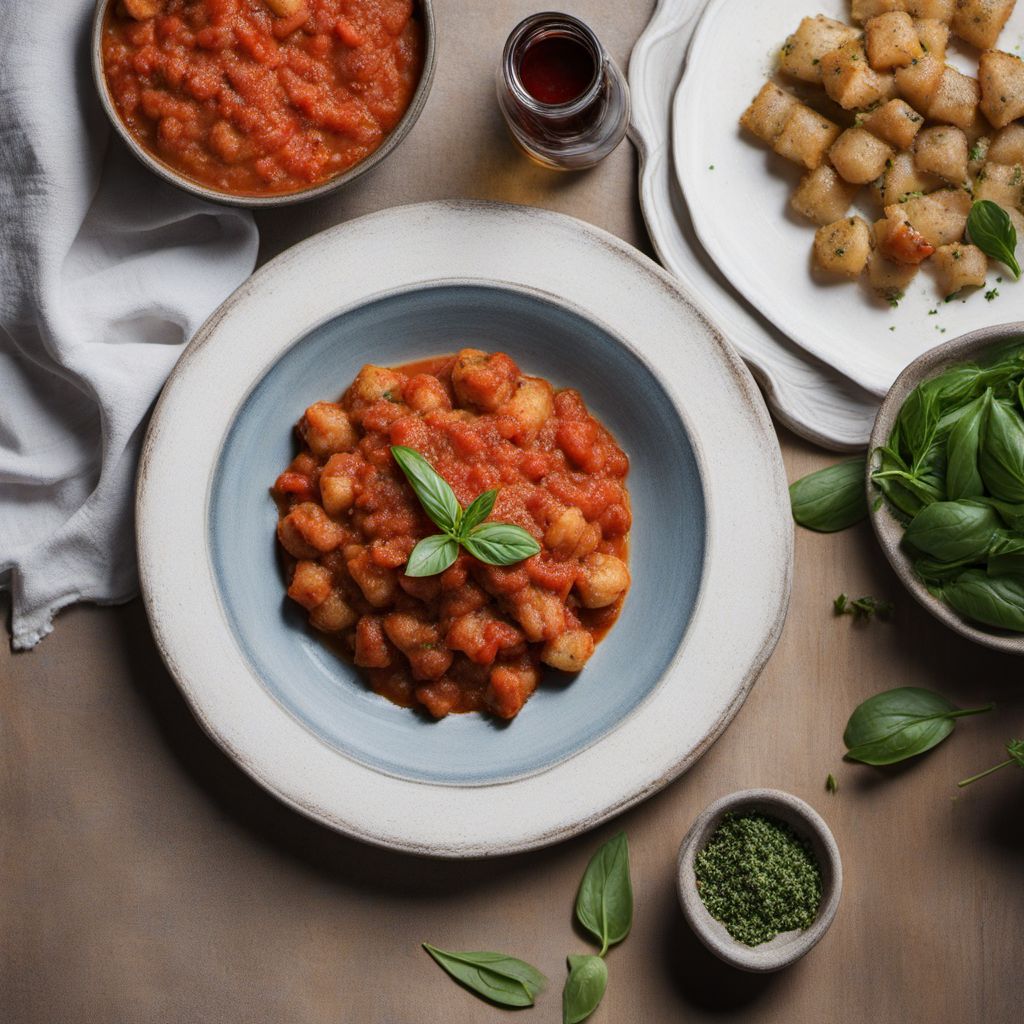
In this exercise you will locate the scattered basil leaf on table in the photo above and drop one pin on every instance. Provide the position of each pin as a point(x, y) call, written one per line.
point(493, 543)
point(992, 231)
point(604, 903)
point(584, 988)
point(893, 726)
point(862, 607)
point(501, 979)
point(1015, 748)
point(830, 499)
point(830, 783)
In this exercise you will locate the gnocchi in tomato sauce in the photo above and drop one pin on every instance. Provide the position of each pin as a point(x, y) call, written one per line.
point(475, 637)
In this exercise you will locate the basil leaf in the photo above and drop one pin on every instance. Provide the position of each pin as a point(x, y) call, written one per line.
point(901, 723)
point(500, 543)
point(604, 903)
point(963, 480)
point(584, 988)
point(477, 512)
point(830, 499)
point(952, 531)
point(935, 572)
point(918, 421)
point(1001, 461)
point(1006, 555)
point(432, 490)
point(501, 979)
point(1012, 515)
point(991, 600)
point(432, 555)
point(992, 231)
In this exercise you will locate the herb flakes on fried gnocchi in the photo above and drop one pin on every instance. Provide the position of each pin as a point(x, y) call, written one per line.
point(874, 103)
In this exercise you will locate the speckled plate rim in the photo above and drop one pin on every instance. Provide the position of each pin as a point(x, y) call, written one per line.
point(887, 527)
point(749, 532)
point(213, 195)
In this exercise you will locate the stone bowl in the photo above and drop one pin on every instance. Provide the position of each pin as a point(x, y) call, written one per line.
point(888, 529)
point(425, 10)
point(787, 947)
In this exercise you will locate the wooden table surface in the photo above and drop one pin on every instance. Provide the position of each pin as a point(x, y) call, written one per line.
point(143, 878)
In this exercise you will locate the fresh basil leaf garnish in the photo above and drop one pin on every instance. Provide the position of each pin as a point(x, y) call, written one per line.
point(476, 513)
point(604, 903)
point(830, 499)
point(493, 543)
point(893, 726)
point(992, 231)
point(500, 543)
point(497, 977)
point(432, 555)
point(584, 988)
point(432, 490)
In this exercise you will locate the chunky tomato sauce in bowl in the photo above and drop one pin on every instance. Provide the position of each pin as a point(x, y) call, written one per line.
point(262, 102)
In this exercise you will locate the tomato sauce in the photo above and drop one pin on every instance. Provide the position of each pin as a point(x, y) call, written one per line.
point(474, 637)
point(251, 102)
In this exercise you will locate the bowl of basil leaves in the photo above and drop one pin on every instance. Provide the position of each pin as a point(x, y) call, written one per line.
point(945, 483)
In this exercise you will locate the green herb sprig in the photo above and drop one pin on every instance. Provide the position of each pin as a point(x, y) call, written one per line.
point(862, 608)
point(1015, 748)
point(493, 543)
point(830, 499)
point(992, 231)
point(604, 906)
point(902, 723)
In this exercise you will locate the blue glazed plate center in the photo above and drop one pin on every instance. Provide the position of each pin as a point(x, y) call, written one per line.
point(566, 714)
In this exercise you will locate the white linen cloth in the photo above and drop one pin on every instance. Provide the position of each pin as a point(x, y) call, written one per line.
point(105, 272)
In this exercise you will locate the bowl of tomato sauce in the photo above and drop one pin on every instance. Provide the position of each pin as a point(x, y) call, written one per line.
point(262, 102)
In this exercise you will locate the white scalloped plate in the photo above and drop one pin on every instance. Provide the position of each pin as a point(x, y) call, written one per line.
point(741, 215)
point(804, 393)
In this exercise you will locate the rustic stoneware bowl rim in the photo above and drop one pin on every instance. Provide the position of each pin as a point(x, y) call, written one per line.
point(807, 823)
point(169, 174)
point(748, 542)
point(887, 528)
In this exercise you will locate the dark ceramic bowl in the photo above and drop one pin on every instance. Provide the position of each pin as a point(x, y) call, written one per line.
point(157, 166)
point(888, 529)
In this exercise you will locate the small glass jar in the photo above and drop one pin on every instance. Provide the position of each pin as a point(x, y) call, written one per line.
point(564, 99)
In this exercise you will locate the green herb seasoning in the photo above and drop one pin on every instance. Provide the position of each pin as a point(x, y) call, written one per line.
point(758, 878)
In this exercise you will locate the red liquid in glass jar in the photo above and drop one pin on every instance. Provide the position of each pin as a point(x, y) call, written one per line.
point(556, 70)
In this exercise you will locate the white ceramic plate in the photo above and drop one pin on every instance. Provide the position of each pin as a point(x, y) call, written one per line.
point(807, 395)
point(740, 208)
point(301, 722)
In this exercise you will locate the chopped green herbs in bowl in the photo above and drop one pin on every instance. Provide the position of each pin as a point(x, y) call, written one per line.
point(759, 879)
point(946, 484)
